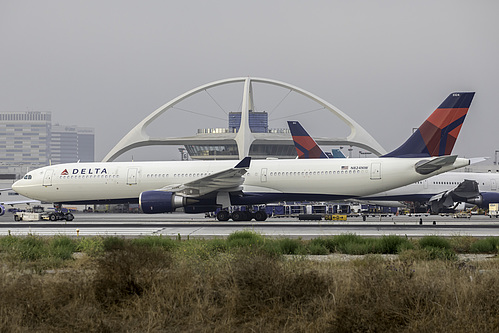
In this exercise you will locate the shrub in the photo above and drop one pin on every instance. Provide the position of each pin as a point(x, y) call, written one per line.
point(486, 245)
point(165, 243)
point(128, 272)
point(428, 253)
point(327, 243)
point(356, 248)
point(438, 253)
point(244, 238)
point(92, 246)
point(317, 249)
point(462, 244)
point(348, 244)
point(390, 244)
point(31, 248)
point(62, 247)
point(113, 243)
point(434, 242)
point(7, 243)
point(216, 245)
point(291, 246)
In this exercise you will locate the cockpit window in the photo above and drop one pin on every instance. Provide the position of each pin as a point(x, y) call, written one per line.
point(27, 177)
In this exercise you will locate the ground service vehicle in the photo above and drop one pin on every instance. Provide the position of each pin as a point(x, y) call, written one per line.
point(494, 210)
point(38, 213)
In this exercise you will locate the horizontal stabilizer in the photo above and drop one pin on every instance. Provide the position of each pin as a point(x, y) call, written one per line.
point(425, 167)
point(475, 160)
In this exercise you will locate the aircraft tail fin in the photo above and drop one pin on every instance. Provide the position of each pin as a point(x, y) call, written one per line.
point(438, 134)
point(336, 153)
point(306, 147)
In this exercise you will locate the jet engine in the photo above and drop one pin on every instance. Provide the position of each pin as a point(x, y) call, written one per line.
point(478, 200)
point(489, 197)
point(155, 202)
point(2, 210)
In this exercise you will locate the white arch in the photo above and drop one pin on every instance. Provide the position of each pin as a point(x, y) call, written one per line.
point(138, 137)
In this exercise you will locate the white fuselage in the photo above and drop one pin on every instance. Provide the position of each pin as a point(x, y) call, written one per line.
point(422, 190)
point(342, 178)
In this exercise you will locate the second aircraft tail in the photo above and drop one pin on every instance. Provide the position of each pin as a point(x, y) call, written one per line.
point(306, 147)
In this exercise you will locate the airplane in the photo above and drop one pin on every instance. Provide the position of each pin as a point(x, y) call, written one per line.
point(205, 186)
point(442, 192)
point(10, 192)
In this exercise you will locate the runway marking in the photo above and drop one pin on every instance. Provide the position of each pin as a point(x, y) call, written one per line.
point(82, 232)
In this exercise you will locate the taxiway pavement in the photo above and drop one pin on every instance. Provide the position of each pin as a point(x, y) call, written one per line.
point(198, 226)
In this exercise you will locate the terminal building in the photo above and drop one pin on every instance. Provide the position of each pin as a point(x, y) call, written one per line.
point(248, 132)
point(29, 140)
point(71, 143)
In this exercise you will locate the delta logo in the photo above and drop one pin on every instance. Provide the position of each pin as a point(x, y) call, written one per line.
point(85, 171)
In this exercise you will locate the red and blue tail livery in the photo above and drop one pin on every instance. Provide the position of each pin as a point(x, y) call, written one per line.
point(306, 147)
point(438, 134)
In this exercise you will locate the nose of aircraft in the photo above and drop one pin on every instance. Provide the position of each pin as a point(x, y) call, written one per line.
point(16, 186)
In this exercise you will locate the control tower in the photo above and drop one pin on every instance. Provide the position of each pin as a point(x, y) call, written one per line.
point(248, 132)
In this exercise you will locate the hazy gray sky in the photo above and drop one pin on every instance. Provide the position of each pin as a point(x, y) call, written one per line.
point(387, 64)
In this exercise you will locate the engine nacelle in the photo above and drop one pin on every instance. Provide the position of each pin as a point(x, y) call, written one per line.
point(2, 210)
point(478, 200)
point(489, 197)
point(155, 202)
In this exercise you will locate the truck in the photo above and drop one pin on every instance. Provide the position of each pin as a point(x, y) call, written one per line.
point(494, 210)
point(38, 213)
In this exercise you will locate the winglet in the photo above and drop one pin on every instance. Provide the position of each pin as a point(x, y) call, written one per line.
point(306, 147)
point(438, 134)
point(244, 163)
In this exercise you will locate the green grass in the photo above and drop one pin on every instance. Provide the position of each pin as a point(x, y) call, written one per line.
point(47, 252)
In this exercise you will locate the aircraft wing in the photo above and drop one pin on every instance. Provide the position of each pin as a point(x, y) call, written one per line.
point(467, 191)
point(19, 202)
point(223, 180)
point(16, 202)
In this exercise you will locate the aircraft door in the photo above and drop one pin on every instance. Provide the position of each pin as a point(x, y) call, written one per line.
point(47, 178)
point(263, 176)
point(375, 171)
point(493, 185)
point(425, 183)
point(131, 178)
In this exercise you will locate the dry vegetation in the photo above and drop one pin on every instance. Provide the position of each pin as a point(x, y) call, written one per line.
point(242, 284)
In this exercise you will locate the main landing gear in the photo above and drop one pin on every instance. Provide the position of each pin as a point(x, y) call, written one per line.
point(58, 214)
point(241, 215)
